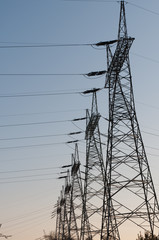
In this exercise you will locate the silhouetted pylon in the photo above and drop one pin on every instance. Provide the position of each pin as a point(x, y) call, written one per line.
point(94, 176)
point(130, 202)
point(76, 200)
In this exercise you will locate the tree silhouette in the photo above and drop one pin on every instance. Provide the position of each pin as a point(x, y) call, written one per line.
point(147, 236)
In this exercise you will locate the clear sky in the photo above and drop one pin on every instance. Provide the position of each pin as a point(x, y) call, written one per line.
point(31, 155)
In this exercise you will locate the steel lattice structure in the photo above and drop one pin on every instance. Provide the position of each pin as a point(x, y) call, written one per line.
point(94, 176)
point(130, 192)
point(63, 211)
point(120, 195)
point(76, 201)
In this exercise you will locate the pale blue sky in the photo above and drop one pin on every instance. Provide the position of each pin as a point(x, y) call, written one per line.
point(26, 207)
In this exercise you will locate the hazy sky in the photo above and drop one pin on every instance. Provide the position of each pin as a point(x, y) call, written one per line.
point(27, 124)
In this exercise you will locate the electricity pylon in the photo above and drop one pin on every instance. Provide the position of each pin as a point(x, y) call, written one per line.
point(94, 176)
point(61, 229)
point(76, 200)
point(130, 198)
point(57, 212)
point(68, 210)
point(63, 210)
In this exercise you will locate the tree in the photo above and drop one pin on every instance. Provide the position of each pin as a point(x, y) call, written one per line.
point(147, 236)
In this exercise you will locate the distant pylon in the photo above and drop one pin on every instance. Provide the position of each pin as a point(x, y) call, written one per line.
point(76, 200)
point(94, 176)
point(130, 192)
point(58, 219)
point(63, 210)
point(61, 224)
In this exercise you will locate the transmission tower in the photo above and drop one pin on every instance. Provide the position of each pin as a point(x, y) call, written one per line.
point(94, 175)
point(60, 221)
point(63, 210)
point(130, 192)
point(57, 213)
point(76, 201)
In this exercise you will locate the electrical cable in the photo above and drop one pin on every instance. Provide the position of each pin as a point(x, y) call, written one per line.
point(28, 176)
point(43, 74)
point(37, 145)
point(57, 45)
point(38, 94)
point(40, 145)
point(32, 137)
point(48, 45)
point(26, 215)
point(38, 136)
point(106, 1)
point(39, 113)
point(30, 180)
point(147, 105)
point(26, 220)
point(144, 57)
point(34, 123)
point(29, 170)
point(145, 9)
point(32, 225)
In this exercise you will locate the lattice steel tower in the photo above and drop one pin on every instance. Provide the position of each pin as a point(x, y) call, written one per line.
point(94, 176)
point(130, 192)
point(76, 200)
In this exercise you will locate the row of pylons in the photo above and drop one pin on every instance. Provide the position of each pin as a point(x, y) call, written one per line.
point(116, 198)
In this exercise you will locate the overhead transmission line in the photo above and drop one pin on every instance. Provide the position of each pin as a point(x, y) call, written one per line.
point(13, 219)
point(39, 145)
point(29, 170)
point(41, 123)
point(28, 176)
point(90, 74)
point(116, 1)
point(39, 113)
point(61, 45)
point(29, 180)
point(40, 136)
point(39, 94)
point(143, 8)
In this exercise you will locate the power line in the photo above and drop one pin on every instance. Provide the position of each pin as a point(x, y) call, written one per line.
point(145, 57)
point(39, 145)
point(39, 136)
point(153, 134)
point(147, 105)
point(32, 218)
point(43, 74)
point(34, 123)
point(49, 45)
point(90, 74)
point(30, 137)
point(145, 9)
point(31, 227)
point(103, 1)
point(39, 113)
point(59, 45)
point(30, 180)
point(37, 94)
point(28, 176)
point(27, 215)
point(41, 123)
point(29, 170)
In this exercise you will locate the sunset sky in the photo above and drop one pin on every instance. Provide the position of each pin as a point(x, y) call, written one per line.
point(34, 129)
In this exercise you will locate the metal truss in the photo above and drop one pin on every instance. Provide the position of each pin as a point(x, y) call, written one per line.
point(130, 192)
point(94, 176)
point(58, 219)
point(76, 200)
point(63, 211)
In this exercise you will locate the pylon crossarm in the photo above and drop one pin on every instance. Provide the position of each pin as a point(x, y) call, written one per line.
point(119, 57)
